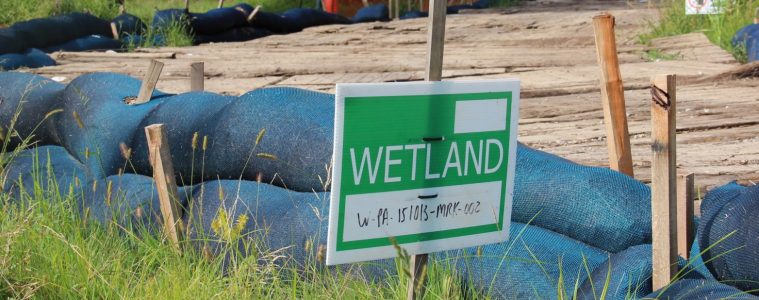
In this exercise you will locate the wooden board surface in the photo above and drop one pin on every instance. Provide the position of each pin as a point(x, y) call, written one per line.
point(549, 45)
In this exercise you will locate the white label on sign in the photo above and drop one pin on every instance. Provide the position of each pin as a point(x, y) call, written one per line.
point(480, 116)
point(399, 213)
point(702, 7)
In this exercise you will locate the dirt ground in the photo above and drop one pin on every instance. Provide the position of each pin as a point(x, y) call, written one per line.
point(548, 45)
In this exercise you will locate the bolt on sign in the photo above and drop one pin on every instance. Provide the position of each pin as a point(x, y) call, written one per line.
point(702, 7)
point(427, 166)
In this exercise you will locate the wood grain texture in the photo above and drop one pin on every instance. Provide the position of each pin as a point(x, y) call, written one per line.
point(163, 174)
point(663, 180)
point(197, 77)
point(685, 203)
point(149, 82)
point(612, 95)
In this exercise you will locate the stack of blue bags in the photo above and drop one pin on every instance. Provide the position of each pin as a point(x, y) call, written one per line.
point(748, 37)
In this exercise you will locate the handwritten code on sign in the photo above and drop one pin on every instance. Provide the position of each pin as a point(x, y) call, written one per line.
point(426, 166)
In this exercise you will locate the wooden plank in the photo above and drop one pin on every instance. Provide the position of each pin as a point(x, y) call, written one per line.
point(163, 174)
point(114, 31)
point(197, 78)
point(114, 55)
point(663, 180)
point(685, 198)
point(613, 96)
point(434, 72)
point(253, 14)
point(148, 84)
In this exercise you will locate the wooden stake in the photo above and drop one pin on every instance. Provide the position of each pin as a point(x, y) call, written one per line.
point(390, 9)
point(114, 31)
point(163, 173)
point(685, 230)
point(435, 43)
point(663, 180)
point(397, 9)
point(150, 81)
point(196, 76)
point(187, 5)
point(221, 3)
point(253, 13)
point(613, 95)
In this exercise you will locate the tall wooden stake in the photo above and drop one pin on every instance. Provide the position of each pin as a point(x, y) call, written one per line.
point(187, 5)
point(663, 180)
point(613, 94)
point(685, 230)
point(150, 81)
point(163, 174)
point(114, 31)
point(221, 3)
point(196, 77)
point(435, 43)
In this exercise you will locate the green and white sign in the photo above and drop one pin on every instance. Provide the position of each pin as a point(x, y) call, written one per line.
point(426, 165)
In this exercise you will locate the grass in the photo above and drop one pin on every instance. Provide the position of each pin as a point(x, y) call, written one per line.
point(719, 28)
point(658, 55)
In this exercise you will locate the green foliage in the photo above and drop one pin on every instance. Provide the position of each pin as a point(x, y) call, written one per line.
point(657, 55)
point(719, 28)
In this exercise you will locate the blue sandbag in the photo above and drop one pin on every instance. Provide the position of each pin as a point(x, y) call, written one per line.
point(237, 34)
point(32, 58)
point(372, 13)
point(699, 289)
point(46, 32)
point(727, 209)
point(272, 22)
point(748, 37)
point(93, 42)
point(414, 14)
point(127, 24)
point(630, 276)
point(50, 167)
point(29, 98)
point(106, 121)
point(165, 18)
point(577, 201)
point(286, 220)
point(128, 200)
point(302, 18)
point(139, 40)
point(218, 20)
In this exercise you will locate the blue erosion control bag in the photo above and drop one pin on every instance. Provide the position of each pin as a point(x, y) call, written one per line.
point(748, 37)
point(219, 20)
point(46, 32)
point(237, 34)
point(88, 43)
point(302, 18)
point(127, 24)
point(628, 272)
point(272, 22)
point(32, 58)
point(372, 13)
point(26, 104)
point(699, 289)
point(51, 167)
point(729, 226)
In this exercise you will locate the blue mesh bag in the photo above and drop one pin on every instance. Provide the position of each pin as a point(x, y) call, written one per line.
point(46, 32)
point(302, 18)
point(748, 37)
point(218, 20)
point(88, 43)
point(49, 166)
point(31, 58)
point(164, 18)
point(127, 24)
point(272, 22)
point(699, 289)
point(372, 13)
point(30, 97)
point(731, 210)
point(579, 202)
point(629, 274)
point(237, 34)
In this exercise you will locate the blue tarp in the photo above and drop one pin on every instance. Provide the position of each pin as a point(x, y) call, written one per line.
point(748, 37)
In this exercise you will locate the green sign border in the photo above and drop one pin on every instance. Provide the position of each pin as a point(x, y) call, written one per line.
point(442, 234)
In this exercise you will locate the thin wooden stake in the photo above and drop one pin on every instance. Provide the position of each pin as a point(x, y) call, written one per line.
point(390, 9)
point(397, 9)
point(685, 230)
point(196, 77)
point(114, 31)
point(435, 43)
point(613, 95)
point(254, 13)
point(221, 3)
point(150, 81)
point(187, 5)
point(663, 180)
point(163, 174)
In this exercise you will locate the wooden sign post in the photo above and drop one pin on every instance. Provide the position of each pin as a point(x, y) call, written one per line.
point(685, 231)
point(197, 77)
point(434, 72)
point(163, 174)
point(613, 95)
point(663, 180)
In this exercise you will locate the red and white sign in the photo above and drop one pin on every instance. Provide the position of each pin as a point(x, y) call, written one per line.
point(701, 7)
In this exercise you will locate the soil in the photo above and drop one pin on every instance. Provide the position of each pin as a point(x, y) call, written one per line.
point(548, 45)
